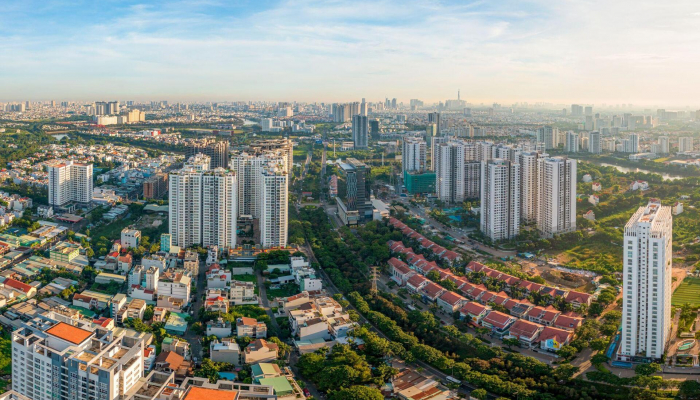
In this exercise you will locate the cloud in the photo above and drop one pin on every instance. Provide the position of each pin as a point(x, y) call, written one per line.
point(338, 50)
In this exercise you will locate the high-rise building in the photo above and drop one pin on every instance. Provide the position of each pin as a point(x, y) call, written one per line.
point(647, 284)
point(572, 142)
point(70, 181)
point(248, 169)
point(217, 151)
point(457, 173)
point(529, 186)
point(664, 145)
point(374, 128)
point(353, 198)
point(576, 110)
point(413, 155)
point(282, 147)
point(185, 202)
point(556, 196)
point(360, 131)
point(595, 145)
point(434, 118)
point(685, 144)
point(274, 205)
point(155, 186)
point(548, 136)
point(589, 110)
point(219, 203)
point(53, 359)
point(500, 199)
point(633, 143)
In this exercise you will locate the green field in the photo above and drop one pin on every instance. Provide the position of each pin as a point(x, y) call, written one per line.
point(687, 292)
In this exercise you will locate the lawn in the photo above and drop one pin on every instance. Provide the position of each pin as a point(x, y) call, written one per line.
point(245, 278)
point(687, 292)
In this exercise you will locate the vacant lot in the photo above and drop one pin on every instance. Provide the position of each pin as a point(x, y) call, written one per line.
point(687, 292)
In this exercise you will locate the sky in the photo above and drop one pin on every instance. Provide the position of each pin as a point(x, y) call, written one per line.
point(558, 51)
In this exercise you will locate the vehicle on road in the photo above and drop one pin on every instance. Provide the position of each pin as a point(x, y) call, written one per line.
point(306, 392)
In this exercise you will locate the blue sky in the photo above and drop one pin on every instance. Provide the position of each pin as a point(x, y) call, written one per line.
point(642, 52)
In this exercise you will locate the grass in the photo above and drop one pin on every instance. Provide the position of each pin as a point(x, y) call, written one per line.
point(245, 278)
point(688, 292)
point(284, 291)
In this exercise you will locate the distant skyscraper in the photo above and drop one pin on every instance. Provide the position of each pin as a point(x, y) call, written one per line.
point(572, 142)
point(217, 151)
point(360, 131)
point(664, 145)
point(434, 118)
point(413, 156)
point(548, 136)
point(647, 284)
point(594, 143)
point(274, 205)
point(70, 181)
point(393, 103)
point(374, 128)
point(556, 200)
point(576, 110)
point(633, 143)
point(685, 144)
point(589, 110)
point(500, 199)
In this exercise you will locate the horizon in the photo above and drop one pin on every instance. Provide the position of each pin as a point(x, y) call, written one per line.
point(331, 51)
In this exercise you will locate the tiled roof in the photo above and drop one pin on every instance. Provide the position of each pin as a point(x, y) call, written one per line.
point(69, 333)
point(523, 328)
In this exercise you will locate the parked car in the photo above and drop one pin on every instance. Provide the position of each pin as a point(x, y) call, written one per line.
point(306, 392)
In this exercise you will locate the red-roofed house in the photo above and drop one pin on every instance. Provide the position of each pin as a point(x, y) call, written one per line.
point(525, 331)
point(23, 288)
point(474, 266)
point(416, 282)
point(431, 292)
point(451, 301)
point(498, 322)
point(475, 311)
point(568, 322)
point(543, 315)
point(400, 272)
point(577, 298)
point(451, 257)
point(552, 339)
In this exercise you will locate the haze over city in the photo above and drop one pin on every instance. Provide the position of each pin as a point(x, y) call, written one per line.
point(637, 52)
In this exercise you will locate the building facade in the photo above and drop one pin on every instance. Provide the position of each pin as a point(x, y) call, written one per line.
point(500, 199)
point(556, 200)
point(70, 182)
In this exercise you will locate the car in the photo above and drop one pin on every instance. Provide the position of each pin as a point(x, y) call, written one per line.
point(306, 392)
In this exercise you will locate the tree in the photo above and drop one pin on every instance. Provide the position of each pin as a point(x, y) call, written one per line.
point(599, 358)
point(310, 364)
point(599, 344)
point(689, 390)
point(357, 393)
point(565, 371)
point(479, 394)
point(433, 276)
point(208, 370)
point(567, 351)
point(647, 369)
point(509, 342)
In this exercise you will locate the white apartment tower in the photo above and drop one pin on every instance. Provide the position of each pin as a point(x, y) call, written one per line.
point(594, 143)
point(556, 199)
point(685, 144)
point(457, 174)
point(70, 181)
point(500, 199)
point(248, 167)
point(219, 203)
point(634, 143)
point(413, 156)
point(529, 186)
point(274, 207)
point(664, 145)
point(55, 357)
point(572, 142)
point(647, 283)
point(203, 205)
point(548, 135)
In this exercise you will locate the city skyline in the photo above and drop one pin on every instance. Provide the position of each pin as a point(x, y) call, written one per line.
point(592, 52)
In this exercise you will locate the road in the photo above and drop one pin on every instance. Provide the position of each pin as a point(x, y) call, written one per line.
point(265, 302)
point(193, 339)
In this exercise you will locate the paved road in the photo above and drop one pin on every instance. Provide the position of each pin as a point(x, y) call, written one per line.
point(265, 302)
point(193, 339)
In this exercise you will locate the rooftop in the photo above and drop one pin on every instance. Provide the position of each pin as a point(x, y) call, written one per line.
point(69, 333)
point(198, 393)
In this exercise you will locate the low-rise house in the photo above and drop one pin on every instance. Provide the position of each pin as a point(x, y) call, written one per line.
point(227, 350)
point(473, 311)
point(21, 288)
point(219, 328)
point(568, 322)
point(217, 303)
point(260, 350)
point(400, 272)
point(639, 185)
point(526, 332)
point(498, 322)
point(431, 292)
point(596, 187)
point(243, 293)
point(416, 283)
point(593, 199)
point(250, 327)
point(589, 215)
point(518, 308)
point(176, 345)
point(578, 298)
point(553, 339)
point(217, 277)
point(170, 362)
point(264, 370)
point(451, 301)
point(91, 300)
point(677, 208)
point(543, 315)
point(149, 358)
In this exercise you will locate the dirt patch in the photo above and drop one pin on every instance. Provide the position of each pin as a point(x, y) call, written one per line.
point(564, 278)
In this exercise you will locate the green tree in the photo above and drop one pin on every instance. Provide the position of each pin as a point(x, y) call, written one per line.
point(647, 369)
point(479, 394)
point(357, 393)
point(510, 342)
point(567, 351)
point(208, 370)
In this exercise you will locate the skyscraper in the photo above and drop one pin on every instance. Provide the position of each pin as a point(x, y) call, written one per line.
point(685, 144)
point(664, 145)
point(529, 186)
point(457, 173)
point(634, 143)
point(594, 143)
point(434, 118)
point(360, 131)
point(274, 206)
point(647, 283)
point(500, 199)
point(413, 156)
point(548, 136)
point(185, 202)
point(576, 110)
point(70, 181)
point(217, 151)
point(353, 199)
point(248, 169)
point(219, 203)
point(556, 196)
point(572, 142)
